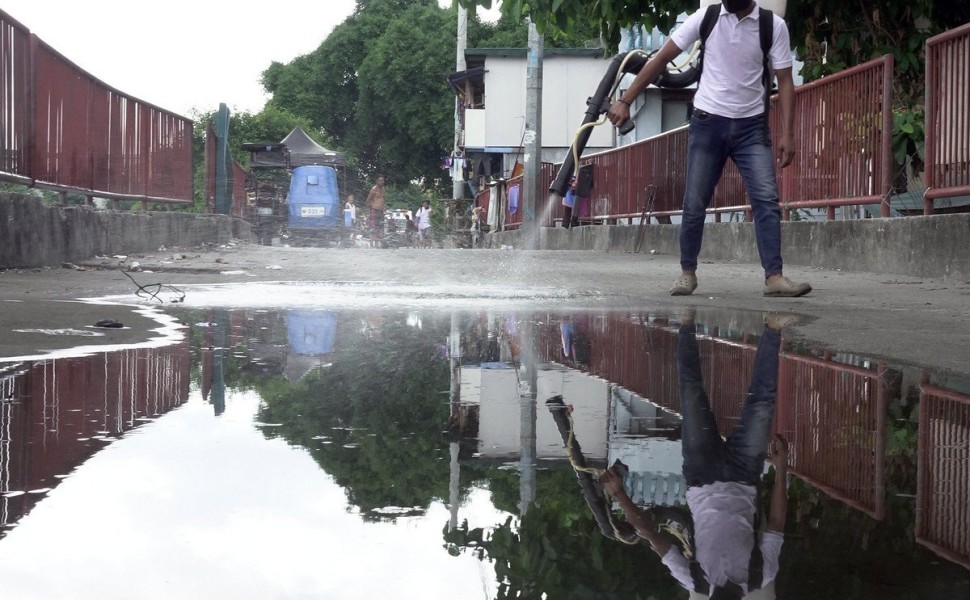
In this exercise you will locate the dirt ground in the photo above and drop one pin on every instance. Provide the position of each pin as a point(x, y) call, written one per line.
point(925, 322)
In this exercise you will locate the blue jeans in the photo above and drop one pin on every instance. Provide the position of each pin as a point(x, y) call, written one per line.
point(712, 140)
point(740, 457)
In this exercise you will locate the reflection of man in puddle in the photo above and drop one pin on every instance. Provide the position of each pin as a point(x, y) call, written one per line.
point(729, 555)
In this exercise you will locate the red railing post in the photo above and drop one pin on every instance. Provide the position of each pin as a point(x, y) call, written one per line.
point(947, 116)
point(886, 155)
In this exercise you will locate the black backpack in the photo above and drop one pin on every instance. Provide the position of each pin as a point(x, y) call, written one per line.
point(766, 33)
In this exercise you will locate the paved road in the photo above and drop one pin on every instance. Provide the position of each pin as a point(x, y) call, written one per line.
point(920, 321)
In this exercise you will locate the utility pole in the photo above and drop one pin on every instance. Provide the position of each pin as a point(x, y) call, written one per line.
point(457, 172)
point(532, 182)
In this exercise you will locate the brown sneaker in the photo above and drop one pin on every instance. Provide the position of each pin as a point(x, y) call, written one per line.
point(684, 286)
point(783, 286)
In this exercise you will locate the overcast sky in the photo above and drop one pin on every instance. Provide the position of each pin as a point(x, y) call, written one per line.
point(182, 54)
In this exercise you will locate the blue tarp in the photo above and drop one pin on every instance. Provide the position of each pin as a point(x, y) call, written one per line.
point(314, 202)
point(311, 332)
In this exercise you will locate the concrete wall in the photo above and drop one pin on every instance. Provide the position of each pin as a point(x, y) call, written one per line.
point(937, 246)
point(33, 234)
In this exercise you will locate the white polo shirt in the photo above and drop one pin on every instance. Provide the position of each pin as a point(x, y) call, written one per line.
point(731, 85)
point(723, 515)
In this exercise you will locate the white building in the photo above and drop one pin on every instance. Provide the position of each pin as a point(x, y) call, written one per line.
point(493, 96)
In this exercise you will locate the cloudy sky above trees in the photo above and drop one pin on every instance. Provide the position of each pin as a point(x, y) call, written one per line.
point(183, 54)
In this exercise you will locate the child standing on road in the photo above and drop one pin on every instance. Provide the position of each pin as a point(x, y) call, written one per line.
point(424, 224)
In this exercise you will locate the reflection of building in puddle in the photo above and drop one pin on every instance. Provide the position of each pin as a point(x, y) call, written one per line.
point(645, 438)
point(943, 491)
point(55, 414)
point(494, 389)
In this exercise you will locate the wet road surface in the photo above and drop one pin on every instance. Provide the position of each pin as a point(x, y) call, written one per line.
point(292, 440)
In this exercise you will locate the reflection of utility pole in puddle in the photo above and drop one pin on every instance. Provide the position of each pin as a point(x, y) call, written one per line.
point(527, 403)
point(455, 426)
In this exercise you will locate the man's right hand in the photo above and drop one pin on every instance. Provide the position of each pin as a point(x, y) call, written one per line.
point(619, 113)
point(611, 482)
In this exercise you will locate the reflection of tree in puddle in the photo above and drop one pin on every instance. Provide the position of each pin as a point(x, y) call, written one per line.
point(373, 419)
point(380, 406)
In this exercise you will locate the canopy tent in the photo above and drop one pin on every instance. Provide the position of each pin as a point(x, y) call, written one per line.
point(300, 150)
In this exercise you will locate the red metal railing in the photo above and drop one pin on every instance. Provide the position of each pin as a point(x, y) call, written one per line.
point(947, 149)
point(65, 130)
point(833, 414)
point(621, 176)
point(843, 129)
point(14, 93)
point(513, 190)
point(943, 489)
point(240, 206)
point(843, 132)
point(211, 142)
point(513, 202)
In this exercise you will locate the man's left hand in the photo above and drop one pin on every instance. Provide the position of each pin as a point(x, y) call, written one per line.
point(786, 150)
point(779, 452)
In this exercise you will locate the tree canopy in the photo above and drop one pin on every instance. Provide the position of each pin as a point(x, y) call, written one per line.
point(377, 84)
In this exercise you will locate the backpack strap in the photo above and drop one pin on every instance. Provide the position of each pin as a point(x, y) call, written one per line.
point(697, 575)
point(766, 33)
point(756, 564)
point(707, 26)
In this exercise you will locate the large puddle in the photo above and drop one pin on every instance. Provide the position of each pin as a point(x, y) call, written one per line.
point(404, 452)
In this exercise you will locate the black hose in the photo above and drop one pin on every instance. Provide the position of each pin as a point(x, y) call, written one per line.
point(596, 105)
point(599, 103)
point(592, 490)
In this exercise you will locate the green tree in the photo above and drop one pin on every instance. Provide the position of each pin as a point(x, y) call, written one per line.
point(570, 17)
point(511, 31)
point(377, 85)
point(401, 114)
point(271, 124)
point(326, 85)
point(830, 36)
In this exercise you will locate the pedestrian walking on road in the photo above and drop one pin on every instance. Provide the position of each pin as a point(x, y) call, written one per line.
point(730, 120)
point(375, 203)
point(423, 217)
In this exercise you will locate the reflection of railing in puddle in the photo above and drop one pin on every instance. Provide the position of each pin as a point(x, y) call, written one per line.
point(55, 414)
point(943, 491)
point(833, 414)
